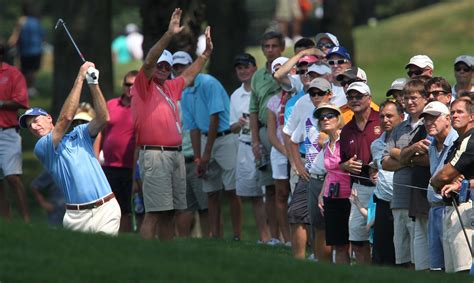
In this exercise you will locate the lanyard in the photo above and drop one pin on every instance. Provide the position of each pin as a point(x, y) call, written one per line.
point(172, 106)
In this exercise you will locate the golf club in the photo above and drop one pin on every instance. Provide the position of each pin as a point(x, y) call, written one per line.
point(464, 187)
point(61, 22)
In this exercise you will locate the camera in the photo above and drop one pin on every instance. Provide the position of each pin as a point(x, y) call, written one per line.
point(334, 190)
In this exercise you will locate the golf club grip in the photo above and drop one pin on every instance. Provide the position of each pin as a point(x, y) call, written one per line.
point(93, 75)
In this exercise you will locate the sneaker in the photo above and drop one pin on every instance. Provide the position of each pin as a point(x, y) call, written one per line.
point(288, 244)
point(260, 242)
point(273, 242)
point(311, 257)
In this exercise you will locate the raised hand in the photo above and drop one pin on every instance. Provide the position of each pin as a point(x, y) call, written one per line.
point(174, 26)
point(209, 46)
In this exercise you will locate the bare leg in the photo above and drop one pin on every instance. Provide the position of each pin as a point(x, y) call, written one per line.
point(260, 215)
point(184, 219)
point(342, 254)
point(126, 223)
point(320, 250)
point(20, 193)
point(4, 205)
point(235, 212)
point(204, 220)
point(282, 188)
point(166, 225)
point(362, 253)
point(214, 213)
point(149, 225)
point(298, 240)
point(270, 207)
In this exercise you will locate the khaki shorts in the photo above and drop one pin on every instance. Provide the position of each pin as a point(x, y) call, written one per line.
point(421, 251)
point(403, 235)
point(103, 219)
point(10, 153)
point(246, 173)
point(287, 10)
point(196, 198)
point(456, 253)
point(357, 222)
point(221, 170)
point(163, 175)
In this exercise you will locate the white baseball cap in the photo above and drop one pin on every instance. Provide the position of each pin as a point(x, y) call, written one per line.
point(320, 68)
point(278, 61)
point(166, 56)
point(182, 57)
point(421, 61)
point(466, 59)
point(360, 87)
point(329, 36)
point(435, 108)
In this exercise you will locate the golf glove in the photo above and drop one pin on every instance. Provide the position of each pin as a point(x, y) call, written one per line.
point(92, 76)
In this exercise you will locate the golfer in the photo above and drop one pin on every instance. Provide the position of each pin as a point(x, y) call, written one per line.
point(90, 204)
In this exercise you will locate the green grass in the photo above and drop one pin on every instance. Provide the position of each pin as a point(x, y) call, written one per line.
point(35, 253)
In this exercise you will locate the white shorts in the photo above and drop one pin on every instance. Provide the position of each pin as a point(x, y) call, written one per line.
point(456, 253)
point(10, 153)
point(103, 219)
point(357, 222)
point(403, 235)
point(421, 251)
point(279, 164)
point(246, 173)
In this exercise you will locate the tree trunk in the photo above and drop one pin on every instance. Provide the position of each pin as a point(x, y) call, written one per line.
point(339, 20)
point(89, 23)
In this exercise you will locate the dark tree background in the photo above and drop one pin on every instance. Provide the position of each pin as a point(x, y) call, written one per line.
point(88, 21)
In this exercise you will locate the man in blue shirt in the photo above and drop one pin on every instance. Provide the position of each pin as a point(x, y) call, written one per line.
point(206, 109)
point(69, 158)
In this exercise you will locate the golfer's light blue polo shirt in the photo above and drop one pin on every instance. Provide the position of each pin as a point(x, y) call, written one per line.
point(205, 98)
point(74, 166)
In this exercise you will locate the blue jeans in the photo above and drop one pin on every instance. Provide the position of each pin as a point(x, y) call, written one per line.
point(435, 237)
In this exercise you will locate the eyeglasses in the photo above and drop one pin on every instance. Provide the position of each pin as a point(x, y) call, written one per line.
point(411, 98)
point(416, 72)
point(163, 66)
point(437, 93)
point(327, 45)
point(355, 97)
point(464, 69)
point(127, 84)
point(337, 62)
point(328, 116)
point(317, 93)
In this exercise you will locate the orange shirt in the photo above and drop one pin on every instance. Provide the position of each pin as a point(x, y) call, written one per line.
point(347, 113)
point(154, 119)
point(12, 87)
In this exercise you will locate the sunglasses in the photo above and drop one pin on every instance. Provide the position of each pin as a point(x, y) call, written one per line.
point(327, 45)
point(301, 71)
point(437, 93)
point(165, 67)
point(415, 72)
point(356, 97)
point(328, 116)
point(464, 69)
point(127, 84)
point(317, 93)
point(337, 62)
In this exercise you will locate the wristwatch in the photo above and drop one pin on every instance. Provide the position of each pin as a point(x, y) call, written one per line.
point(1, 103)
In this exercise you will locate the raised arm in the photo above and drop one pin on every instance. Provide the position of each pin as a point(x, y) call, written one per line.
point(70, 105)
point(100, 106)
point(190, 73)
point(157, 49)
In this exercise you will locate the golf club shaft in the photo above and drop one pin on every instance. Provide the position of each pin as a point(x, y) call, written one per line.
point(73, 42)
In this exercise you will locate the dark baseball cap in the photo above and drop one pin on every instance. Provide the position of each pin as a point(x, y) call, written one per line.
point(244, 59)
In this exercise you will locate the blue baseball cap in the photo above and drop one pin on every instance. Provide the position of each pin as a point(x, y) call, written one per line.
point(35, 111)
point(339, 50)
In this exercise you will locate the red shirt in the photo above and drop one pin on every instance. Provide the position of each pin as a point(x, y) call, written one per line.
point(354, 141)
point(153, 117)
point(12, 87)
point(119, 136)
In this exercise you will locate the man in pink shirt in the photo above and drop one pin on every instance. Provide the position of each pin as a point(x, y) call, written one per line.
point(13, 96)
point(117, 142)
point(158, 132)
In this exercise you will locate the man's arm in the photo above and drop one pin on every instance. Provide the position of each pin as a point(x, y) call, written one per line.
point(196, 143)
point(101, 112)
point(157, 49)
point(70, 105)
point(282, 74)
point(191, 72)
point(211, 138)
point(391, 164)
point(444, 176)
point(416, 153)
